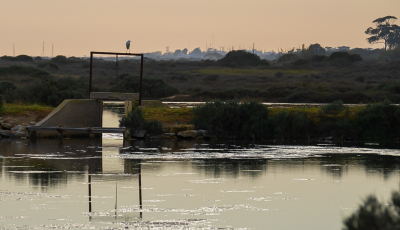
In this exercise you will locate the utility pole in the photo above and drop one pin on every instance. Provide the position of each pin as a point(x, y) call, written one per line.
point(13, 49)
point(43, 50)
point(52, 50)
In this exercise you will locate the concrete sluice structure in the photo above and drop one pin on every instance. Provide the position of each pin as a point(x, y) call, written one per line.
point(81, 117)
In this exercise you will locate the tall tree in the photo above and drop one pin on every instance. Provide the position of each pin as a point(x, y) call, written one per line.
point(385, 32)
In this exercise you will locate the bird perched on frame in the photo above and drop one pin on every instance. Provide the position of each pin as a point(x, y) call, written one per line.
point(128, 45)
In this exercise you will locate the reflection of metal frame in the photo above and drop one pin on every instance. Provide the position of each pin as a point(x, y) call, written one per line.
point(128, 54)
point(140, 190)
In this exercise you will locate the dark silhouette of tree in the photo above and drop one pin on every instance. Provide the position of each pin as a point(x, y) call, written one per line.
point(185, 51)
point(240, 58)
point(385, 32)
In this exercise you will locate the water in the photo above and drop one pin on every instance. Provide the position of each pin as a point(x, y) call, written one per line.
point(164, 184)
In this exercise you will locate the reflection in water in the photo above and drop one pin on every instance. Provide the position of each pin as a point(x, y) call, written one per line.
point(98, 183)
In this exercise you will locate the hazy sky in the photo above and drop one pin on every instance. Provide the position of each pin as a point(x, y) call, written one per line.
point(76, 27)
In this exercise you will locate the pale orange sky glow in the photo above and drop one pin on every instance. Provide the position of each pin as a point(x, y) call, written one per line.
point(76, 27)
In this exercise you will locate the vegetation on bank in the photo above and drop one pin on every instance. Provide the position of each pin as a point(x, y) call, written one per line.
point(136, 121)
point(375, 122)
point(23, 109)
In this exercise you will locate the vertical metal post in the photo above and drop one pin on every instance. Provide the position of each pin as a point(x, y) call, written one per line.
point(90, 81)
point(117, 68)
point(141, 76)
point(140, 188)
point(90, 192)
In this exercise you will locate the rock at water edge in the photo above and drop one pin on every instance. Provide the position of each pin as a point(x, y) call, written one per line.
point(188, 134)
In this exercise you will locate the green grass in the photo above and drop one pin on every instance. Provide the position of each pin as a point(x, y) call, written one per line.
point(17, 110)
point(168, 115)
point(240, 72)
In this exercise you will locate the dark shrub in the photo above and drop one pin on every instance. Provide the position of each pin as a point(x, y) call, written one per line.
point(152, 88)
point(379, 122)
point(154, 127)
point(339, 54)
point(49, 64)
point(232, 119)
point(136, 121)
point(240, 58)
point(278, 74)
point(318, 58)
point(124, 75)
point(179, 78)
point(300, 62)
point(344, 56)
point(355, 58)
point(22, 70)
point(53, 66)
point(334, 109)
point(53, 92)
point(212, 77)
point(24, 58)
point(391, 54)
point(60, 59)
point(359, 78)
point(288, 57)
point(6, 85)
point(7, 58)
point(290, 126)
point(373, 215)
point(1, 102)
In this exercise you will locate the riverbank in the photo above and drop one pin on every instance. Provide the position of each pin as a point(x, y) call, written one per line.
point(282, 122)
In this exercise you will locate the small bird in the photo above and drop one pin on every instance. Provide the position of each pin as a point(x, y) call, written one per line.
point(128, 44)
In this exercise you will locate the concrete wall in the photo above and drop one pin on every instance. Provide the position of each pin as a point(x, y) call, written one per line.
point(74, 113)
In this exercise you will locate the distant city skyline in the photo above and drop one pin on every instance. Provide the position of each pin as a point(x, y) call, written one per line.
point(77, 27)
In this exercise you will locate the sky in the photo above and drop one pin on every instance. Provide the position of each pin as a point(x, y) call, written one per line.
point(76, 27)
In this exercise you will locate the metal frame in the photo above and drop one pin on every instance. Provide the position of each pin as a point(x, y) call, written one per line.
point(112, 53)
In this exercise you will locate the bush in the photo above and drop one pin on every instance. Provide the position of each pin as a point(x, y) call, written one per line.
point(288, 57)
point(374, 215)
point(1, 102)
point(334, 109)
point(392, 54)
point(290, 126)
point(23, 58)
point(22, 70)
point(232, 119)
point(136, 121)
point(212, 77)
point(152, 88)
point(318, 58)
point(379, 122)
point(240, 58)
point(60, 59)
point(49, 64)
point(334, 119)
point(359, 78)
point(6, 85)
point(300, 62)
point(346, 56)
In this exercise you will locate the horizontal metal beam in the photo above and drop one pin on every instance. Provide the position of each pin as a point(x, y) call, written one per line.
point(113, 53)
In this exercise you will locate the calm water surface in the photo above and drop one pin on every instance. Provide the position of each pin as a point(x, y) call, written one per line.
point(163, 184)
